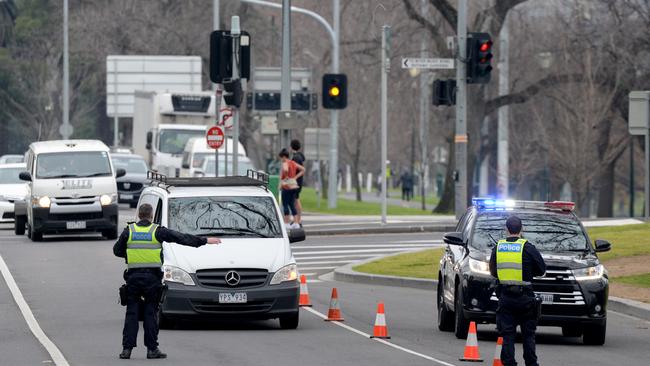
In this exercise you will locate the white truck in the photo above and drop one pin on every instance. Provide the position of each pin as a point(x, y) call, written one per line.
point(163, 122)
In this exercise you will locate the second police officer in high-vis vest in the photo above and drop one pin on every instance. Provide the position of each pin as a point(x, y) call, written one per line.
point(514, 262)
point(141, 246)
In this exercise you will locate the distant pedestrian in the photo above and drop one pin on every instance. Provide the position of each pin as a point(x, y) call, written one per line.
point(299, 158)
point(289, 175)
point(406, 180)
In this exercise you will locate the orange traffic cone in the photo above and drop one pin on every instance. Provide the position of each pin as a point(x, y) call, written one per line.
point(380, 330)
point(497, 353)
point(304, 292)
point(471, 346)
point(334, 313)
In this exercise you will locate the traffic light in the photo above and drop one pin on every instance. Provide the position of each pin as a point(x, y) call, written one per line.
point(335, 91)
point(479, 58)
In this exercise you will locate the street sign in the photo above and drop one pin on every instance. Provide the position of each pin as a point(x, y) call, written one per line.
point(215, 137)
point(66, 130)
point(427, 63)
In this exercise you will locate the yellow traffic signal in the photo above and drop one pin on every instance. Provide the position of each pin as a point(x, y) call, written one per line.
point(334, 91)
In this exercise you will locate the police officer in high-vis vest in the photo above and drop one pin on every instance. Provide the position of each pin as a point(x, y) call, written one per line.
point(514, 262)
point(141, 245)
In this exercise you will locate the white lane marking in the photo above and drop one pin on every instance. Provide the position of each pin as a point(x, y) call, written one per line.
point(383, 341)
point(36, 330)
point(314, 281)
point(310, 268)
point(364, 246)
point(388, 250)
point(308, 273)
point(434, 241)
point(360, 256)
point(325, 262)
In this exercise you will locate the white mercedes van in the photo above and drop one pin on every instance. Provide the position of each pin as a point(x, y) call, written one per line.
point(252, 274)
point(197, 151)
point(71, 188)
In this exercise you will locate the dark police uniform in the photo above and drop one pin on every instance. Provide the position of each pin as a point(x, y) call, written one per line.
point(515, 262)
point(141, 246)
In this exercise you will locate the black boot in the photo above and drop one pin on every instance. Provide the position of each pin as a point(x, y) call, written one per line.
point(126, 354)
point(156, 353)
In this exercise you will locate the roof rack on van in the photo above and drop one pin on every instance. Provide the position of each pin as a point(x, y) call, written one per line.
point(251, 179)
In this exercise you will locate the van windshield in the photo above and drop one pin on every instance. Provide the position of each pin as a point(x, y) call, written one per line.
point(210, 168)
point(173, 141)
point(549, 232)
point(77, 164)
point(225, 216)
point(10, 175)
point(132, 165)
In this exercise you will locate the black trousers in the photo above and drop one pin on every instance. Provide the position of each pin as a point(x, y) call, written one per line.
point(144, 290)
point(513, 311)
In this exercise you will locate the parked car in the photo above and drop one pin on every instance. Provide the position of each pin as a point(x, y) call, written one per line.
point(129, 187)
point(11, 159)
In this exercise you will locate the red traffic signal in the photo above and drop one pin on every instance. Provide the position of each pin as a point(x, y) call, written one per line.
point(479, 58)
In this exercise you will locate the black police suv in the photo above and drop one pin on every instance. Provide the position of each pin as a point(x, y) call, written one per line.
point(574, 289)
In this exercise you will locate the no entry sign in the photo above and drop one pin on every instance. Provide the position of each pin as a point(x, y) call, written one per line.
point(215, 137)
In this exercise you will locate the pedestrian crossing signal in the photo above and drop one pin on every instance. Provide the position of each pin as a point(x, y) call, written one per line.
point(335, 94)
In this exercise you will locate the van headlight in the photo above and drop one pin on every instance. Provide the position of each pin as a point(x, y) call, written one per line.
point(175, 274)
point(285, 274)
point(42, 202)
point(589, 273)
point(479, 267)
point(106, 200)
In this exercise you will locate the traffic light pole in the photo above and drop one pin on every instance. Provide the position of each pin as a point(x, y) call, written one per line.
point(385, 67)
point(235, 31)
point(503, 130)
point(334, 116)
point(285, 96)
point(217, 89)
point(460, 138)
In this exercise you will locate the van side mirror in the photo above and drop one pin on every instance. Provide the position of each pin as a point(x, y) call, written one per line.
point(296, 235)
point(453, 238)
point(199, 173)
point(25, 176)
point(120, 173)
point(149, 140)
point(602, 245)
point(185, 166)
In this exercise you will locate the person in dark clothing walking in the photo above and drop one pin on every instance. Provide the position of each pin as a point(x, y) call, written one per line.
point(140, 244)
point(514, 262)
point(298, 158)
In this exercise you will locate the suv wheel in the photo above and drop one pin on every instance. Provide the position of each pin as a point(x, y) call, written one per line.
point(445, 317)
point(36, 235)
point(461, 326)
point(290, 322)
point(571, 331)
point(19, 225)
point(594, 334)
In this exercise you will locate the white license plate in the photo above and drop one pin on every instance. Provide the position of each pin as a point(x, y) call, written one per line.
point(126, 196)
point(233, 298)
point(75, 225)
point(546, 298)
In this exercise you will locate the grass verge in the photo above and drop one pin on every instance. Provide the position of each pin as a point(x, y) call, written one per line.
point(422, 264)
point(641, 280)
point(309, 202)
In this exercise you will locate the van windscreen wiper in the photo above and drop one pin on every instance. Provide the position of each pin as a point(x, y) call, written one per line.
point(233, 231)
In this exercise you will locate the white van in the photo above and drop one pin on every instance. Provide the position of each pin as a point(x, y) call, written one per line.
point(71, 188)
point(197, 150)
point(252, 274)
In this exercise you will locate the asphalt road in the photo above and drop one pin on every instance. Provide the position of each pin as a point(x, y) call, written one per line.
point(70, 284)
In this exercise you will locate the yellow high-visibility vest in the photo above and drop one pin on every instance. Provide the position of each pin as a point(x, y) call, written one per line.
point(510, 262)
point(143, 249)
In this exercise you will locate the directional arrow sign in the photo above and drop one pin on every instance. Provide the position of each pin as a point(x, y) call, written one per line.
point(427, 63)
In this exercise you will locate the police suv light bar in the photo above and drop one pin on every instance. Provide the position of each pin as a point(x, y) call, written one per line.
point(491, 203)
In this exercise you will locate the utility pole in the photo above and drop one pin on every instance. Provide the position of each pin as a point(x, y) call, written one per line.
point(235, 32)
point(385, 69)
point(460, 139)
point(334, 114)
point(285, 96)
point(218, 92)
point(66, 129)
point(503, 129)
point(424, 112)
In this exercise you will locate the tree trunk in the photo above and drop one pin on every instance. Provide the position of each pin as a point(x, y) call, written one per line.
point(606, 192)
point(446, 204)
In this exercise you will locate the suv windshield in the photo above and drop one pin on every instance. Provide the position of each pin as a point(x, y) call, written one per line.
point(173, 141)
point(77, 164)
point(225, 216)
point(550, 232)
point(10, 175)
point(135, 165)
